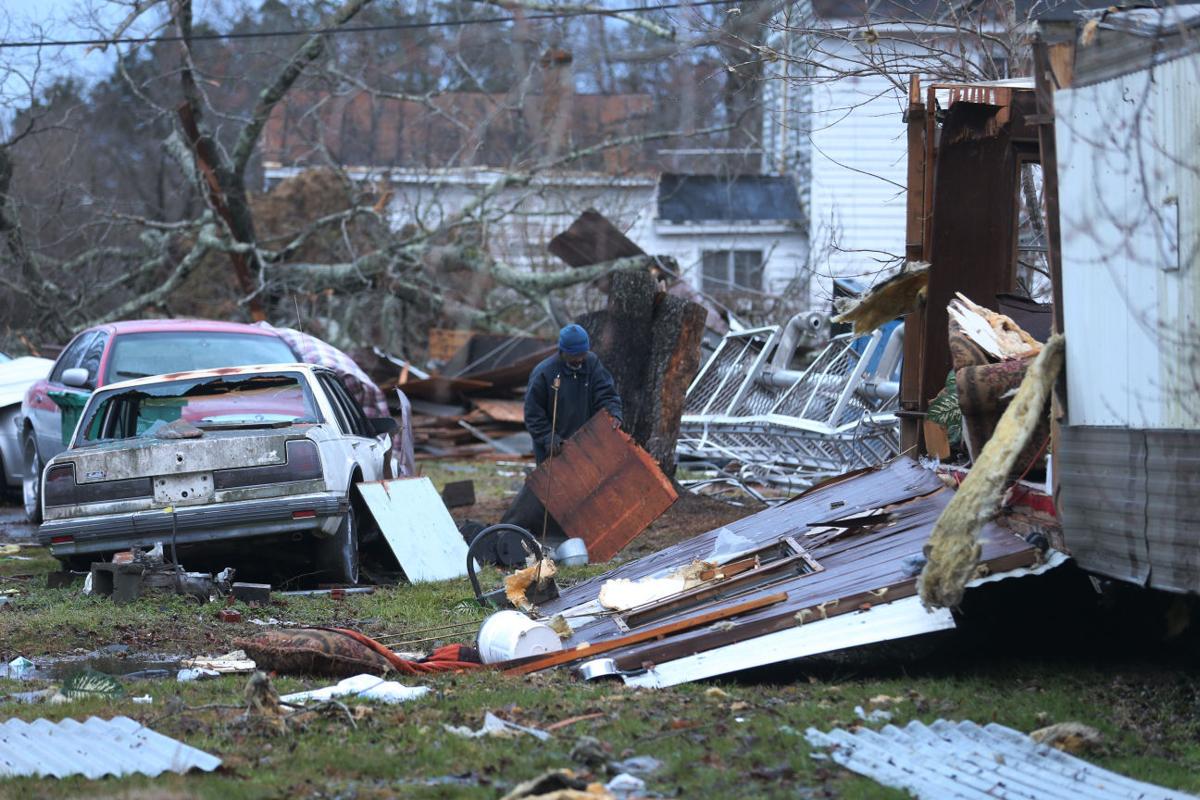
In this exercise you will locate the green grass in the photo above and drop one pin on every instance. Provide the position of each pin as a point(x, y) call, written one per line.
point(744, 741)
point(492, 481)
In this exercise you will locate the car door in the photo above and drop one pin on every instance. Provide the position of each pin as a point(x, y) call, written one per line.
point(46, 414)
point(368, 450)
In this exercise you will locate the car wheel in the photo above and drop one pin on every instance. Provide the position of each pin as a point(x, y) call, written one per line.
point(31, 484)
point(339, 553)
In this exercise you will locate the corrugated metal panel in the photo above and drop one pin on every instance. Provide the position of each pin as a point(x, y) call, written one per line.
point(94, 749)
point(1173, 509)
point(1102, 500)
point(1129, 192)
point(1128, 504)
point(962, 759)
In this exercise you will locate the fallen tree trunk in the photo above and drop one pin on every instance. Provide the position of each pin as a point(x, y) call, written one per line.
point(650, 342)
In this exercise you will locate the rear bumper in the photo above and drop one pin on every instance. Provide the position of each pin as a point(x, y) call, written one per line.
point(193, 525)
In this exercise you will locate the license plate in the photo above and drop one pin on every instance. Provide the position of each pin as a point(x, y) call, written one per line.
point(181, 490)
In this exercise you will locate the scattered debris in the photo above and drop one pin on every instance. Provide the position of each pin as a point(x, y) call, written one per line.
point(367, 687)
point(517, 585)
point(895, 297)
point(459, 494)
point(837, 580)
point(417, 527)
point(1070, 737)
point(494, 726)
point(962, 759)
point(795, 427)
point(953, 550)
point(90, 683)
point(559, 784)
point(252, 592)
point(876, 715)
point(93, 749)
point(229, 664)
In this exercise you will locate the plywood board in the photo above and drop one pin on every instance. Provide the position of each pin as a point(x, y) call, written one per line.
point(417, 527)
point(502, 410)
point(602, 488)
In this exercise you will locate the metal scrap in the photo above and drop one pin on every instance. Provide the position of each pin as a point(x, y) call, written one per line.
point(93, 749)
point(962, 759)
point(790, 426)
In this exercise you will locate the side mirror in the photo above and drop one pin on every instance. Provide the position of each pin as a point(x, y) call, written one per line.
point(76, 376)
point(382, 425)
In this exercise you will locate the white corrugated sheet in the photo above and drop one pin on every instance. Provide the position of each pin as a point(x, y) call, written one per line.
point(1129, 192)
point(96, 748)
point(961, 759)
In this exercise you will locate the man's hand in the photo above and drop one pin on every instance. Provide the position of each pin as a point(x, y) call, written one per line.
point(555, 445)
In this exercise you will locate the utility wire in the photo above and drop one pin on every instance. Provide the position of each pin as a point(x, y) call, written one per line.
point(397, 26)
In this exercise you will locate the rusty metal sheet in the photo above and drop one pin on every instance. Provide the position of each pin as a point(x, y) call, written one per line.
point(602, 488)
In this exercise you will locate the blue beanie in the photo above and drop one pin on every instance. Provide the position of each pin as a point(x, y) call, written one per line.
point(573, 340)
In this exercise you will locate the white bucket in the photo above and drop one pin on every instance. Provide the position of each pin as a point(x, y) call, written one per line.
point(510, 634)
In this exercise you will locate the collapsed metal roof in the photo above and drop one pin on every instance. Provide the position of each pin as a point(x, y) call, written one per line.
point(736, 198)
point(96, 748)
point(835, 567)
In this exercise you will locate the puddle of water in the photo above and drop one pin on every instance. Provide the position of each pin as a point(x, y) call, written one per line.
point(144, 666)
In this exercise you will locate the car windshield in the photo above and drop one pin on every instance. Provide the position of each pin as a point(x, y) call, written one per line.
point(268, 400)
point(140, 355)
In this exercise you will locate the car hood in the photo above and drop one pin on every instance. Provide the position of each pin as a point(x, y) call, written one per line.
point(149, 457)
point(18, 375)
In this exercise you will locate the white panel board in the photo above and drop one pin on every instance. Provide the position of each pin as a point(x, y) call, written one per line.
point(417, 527)
point(882, 623)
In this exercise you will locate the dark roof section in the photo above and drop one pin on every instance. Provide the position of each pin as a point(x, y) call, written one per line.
point(1133, 40)
point(745, 198)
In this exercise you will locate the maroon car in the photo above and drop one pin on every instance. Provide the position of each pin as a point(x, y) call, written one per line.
point(121, 351)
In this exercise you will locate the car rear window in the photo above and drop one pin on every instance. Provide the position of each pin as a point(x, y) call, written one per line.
point(268, 400)
point(140, 355)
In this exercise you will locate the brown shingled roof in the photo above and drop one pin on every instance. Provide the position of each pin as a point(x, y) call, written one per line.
point(455, 129)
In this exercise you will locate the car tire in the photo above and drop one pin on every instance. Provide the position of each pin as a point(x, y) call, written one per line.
point(339, 553)
point(31, 483)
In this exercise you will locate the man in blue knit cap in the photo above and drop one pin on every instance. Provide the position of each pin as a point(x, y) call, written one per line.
point(565, 391)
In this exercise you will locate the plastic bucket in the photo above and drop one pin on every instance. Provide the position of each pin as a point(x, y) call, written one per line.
point(506, 635)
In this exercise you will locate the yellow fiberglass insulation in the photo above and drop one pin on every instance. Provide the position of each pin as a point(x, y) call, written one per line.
point(953, 550)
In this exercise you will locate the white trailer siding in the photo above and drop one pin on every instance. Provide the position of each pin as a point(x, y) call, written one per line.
point(1129, 171)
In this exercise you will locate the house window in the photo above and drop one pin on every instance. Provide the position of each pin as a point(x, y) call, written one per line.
point(733, 269)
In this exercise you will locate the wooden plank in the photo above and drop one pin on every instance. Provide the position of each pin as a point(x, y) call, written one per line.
point(441, 389)
point(602, 488)
point(417, 527)
point(502, 410)
point(587, 651)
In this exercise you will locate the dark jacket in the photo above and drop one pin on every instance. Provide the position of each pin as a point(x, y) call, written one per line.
point(581, 394)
